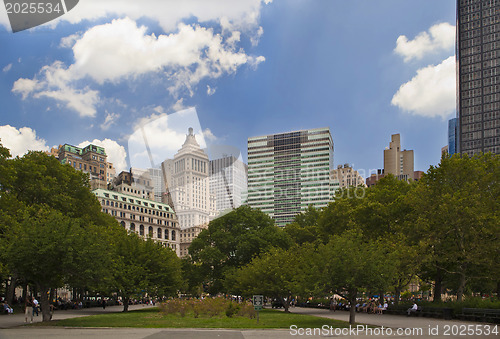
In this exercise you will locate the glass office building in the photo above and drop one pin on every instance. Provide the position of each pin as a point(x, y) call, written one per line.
point(289, 171)
point(478, 76)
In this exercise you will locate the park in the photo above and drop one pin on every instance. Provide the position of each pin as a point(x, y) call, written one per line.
point(439, 234)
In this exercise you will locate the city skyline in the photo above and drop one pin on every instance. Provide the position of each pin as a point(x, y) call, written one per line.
point(277, 67)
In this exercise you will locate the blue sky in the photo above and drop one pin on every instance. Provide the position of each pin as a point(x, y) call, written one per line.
point(234, 69)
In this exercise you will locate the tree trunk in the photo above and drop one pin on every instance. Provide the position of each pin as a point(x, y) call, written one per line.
point(461, 287)
point(45, 303)
point(352, 309)
point(381, 297)
point(498, 290)
point(11, 290)
point(125, 304)
point(438, 286)
point(398, 295)
point(25, 292)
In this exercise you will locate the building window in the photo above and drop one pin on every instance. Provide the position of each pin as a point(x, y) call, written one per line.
point(158, 231)
point(141, 230)
point(173, 235)
point(132, 227)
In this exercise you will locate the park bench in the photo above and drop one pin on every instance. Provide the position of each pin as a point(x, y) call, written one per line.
point(481, 314)
point(437, 312)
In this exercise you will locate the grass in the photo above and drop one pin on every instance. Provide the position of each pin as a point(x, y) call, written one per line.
point(152, 318)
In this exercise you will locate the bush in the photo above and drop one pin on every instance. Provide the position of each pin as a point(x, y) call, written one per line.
point(208, 307)
point(232, 310)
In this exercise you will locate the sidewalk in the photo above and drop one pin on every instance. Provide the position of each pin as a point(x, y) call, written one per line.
point(392, 321)
point(17, 319)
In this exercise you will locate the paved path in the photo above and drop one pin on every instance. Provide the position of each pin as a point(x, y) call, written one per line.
point(17, 319)
point(418, 327)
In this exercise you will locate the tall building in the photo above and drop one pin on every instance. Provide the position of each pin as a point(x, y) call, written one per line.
point(289, 171)
point(90, 159)
point(452, 136)
point(188, 184)
point(345, 176)
point(478, 71)
point(398, 162)
point(228, 181)
point(157, 182)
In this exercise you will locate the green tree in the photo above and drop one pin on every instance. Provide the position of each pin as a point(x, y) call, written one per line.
point(457, 217)
point(45, 248)
point(232, 241)
point(34, 185)
point(144, 266)
point(304, 228)
point(350, 264)
point(277, 273)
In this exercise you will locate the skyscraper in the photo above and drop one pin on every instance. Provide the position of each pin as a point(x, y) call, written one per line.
point(452, 136)
point(289, 171)
point(228, 181)
point(398, 162)
point(188, 184)
point(478, 71)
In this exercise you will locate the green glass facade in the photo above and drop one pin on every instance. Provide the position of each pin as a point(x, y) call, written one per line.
point(289, 171)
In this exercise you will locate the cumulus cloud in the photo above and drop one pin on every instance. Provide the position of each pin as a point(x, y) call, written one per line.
point(430, 93)
point(179, 105)
point(121, 50)
point(55, 81)
point(109, 120)
point(69, 41)
point(161, 135)
point(440, 37)
point(20, 141)
point(116, 153)
point(207, 133)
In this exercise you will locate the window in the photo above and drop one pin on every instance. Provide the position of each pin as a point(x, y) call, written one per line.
point(158, 235)
point(132, 227)
point(173, 235)
point(141, 230)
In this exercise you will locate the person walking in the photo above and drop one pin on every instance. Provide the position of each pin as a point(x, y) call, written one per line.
point(35, 307)
point(28, 309)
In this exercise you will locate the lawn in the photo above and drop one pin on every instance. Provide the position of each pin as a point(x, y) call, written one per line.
point(152, 318)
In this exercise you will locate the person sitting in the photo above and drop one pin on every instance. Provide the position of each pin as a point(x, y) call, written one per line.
point(412, 309)
point(7, 309)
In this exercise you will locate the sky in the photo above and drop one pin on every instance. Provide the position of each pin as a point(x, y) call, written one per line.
point(132, 76)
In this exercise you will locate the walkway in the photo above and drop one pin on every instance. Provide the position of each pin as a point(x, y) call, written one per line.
point(13, 330)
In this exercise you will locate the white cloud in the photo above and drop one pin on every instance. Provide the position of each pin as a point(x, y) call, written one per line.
point(109, 120)
point(207, 133)
point(20, 141)
point(55, 82)
point(115, 152)
point(430, 93)
point(69, 41)
point(210, 90)
point(25, 87)
point(441, 37)
point(164, 135)
point(7, 68)
point(168, 13)
point(121, 50)
point(179, 105)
